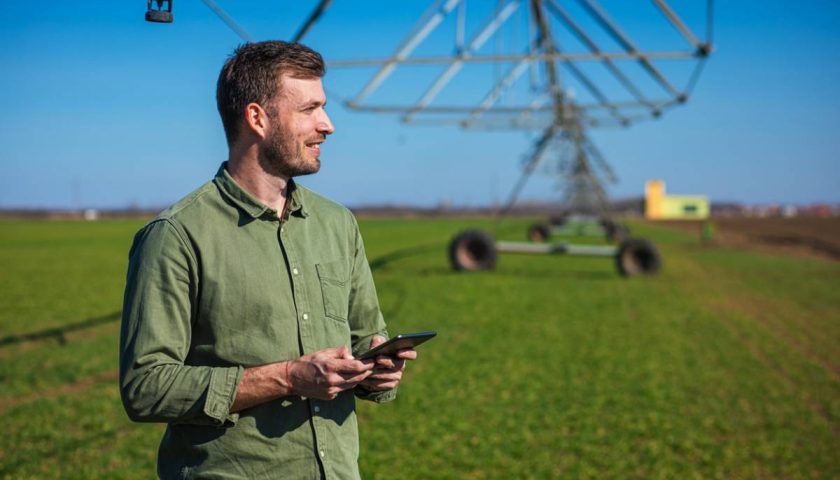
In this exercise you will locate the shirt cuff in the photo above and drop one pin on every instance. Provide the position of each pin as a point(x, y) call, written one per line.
point(220, 395)
point(378, 397)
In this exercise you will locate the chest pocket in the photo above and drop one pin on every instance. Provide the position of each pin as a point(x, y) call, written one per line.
point(334, 278)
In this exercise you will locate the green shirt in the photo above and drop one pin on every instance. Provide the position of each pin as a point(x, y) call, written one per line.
point(218, 282)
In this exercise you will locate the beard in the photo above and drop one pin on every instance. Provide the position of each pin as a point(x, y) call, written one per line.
point(283, 155)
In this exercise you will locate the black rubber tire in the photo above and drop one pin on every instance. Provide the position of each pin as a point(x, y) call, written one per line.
point(472, 250)
point(539, 232)
point(637, 256)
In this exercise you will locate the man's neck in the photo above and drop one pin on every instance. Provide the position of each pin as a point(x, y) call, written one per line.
point(268, 188)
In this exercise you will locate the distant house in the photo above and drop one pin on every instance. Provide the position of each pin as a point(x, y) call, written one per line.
point(659, 206)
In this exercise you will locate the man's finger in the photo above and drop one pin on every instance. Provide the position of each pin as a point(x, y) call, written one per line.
point(352, 366)
point(389, 363)
point(385, 361)
point(384, 377)
point(347, 379)
point(407, 354)
point(380, 385)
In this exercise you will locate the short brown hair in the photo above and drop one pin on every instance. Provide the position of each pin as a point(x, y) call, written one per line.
point(252, 75)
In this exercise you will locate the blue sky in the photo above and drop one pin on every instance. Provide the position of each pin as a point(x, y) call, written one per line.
point(101, 109)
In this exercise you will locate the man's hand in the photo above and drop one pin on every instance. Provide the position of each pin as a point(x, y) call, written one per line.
point(321, 375)
point(388, 370)
point(326, 373)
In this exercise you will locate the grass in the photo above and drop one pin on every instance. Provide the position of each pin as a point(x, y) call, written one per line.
point(726, 365)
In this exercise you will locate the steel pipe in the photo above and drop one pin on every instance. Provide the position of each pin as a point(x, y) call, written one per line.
point(557, 249)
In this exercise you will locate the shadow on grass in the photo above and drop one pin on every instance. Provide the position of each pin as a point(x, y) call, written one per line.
point(393, 309)
point(59, 333)
point(408, 252)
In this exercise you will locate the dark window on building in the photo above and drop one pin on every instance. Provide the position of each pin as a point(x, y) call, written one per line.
point(691, 208)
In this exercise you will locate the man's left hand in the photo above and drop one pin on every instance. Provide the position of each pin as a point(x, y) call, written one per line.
point(388, 370)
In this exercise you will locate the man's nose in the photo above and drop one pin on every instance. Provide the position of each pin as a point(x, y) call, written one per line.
point(325, 126)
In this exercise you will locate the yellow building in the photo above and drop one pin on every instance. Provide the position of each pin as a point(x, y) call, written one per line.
point(681, 207)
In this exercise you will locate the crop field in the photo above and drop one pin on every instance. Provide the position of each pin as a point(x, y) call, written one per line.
point(726, 365)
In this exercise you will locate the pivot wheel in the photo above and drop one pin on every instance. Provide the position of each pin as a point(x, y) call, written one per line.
point(472, 250)
point(539, 232)
point(637, 256)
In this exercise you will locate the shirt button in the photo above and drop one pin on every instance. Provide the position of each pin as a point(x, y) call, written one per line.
point(295, 271)
point(306, 316)
point(321, 453)
point(317, 409)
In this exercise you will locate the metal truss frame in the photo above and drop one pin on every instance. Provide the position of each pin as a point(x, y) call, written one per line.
point(582, 170)
point(543, 49)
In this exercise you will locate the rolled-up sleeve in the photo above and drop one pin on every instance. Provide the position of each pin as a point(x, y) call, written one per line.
point(365, 316)
point(155, 383)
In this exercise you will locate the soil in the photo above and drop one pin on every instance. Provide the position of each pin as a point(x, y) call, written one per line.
point(816, 237)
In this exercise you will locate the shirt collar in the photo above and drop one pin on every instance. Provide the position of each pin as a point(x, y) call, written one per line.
point(295, 199)
point(250, 204)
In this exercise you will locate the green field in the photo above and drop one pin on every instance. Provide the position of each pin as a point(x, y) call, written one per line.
point(726, 365)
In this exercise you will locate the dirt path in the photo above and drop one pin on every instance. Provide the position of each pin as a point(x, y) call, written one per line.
point(813, 237)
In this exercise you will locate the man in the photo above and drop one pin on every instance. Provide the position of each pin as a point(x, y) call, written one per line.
point(246, 301)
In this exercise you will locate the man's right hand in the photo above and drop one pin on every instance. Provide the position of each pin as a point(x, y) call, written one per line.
point(326, 373)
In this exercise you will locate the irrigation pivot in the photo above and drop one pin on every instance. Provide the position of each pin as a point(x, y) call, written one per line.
point(574, 67)
point(560, 68)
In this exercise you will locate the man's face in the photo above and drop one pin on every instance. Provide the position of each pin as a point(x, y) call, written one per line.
point(299, 124)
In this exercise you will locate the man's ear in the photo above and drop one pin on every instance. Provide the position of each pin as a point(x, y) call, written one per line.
point(256, 119)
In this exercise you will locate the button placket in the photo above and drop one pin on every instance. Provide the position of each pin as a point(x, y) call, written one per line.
point(302, 308)
point(298, 291)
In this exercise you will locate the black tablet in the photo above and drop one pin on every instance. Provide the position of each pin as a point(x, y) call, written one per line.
point(404, 340)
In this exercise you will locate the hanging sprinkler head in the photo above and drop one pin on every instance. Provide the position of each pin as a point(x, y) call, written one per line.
point(159, 11)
